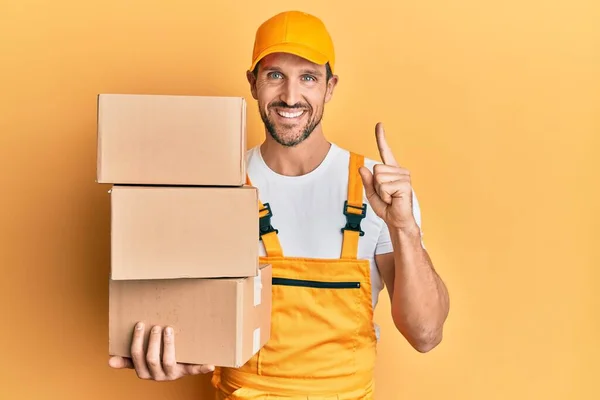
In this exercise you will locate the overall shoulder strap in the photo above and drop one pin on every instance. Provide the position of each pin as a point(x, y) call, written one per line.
point(267, 233)
point(354, 208)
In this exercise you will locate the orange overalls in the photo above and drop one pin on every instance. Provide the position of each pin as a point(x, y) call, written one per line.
point(323, 342)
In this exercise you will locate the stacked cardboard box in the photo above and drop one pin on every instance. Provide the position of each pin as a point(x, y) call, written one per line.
point(184, 226)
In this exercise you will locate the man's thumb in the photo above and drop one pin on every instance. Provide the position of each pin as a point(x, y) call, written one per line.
point(120, 362)
point(375, 201)
point(367, 178)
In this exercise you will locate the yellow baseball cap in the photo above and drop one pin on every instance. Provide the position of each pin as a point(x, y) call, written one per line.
point(297, 33)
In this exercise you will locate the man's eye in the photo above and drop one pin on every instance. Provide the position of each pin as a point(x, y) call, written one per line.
point(275, 75)
point(309, 77)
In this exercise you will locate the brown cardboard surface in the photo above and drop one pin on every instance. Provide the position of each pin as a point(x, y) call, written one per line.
point(222, 322)
point(184, 232)
point(171, 140)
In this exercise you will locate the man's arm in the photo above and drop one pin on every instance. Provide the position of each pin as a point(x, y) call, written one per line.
point(418, 296)
point(419, 299)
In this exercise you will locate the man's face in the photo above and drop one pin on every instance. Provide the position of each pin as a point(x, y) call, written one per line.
point(291, 93)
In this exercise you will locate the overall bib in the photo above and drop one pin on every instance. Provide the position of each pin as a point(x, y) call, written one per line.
point(323, 342)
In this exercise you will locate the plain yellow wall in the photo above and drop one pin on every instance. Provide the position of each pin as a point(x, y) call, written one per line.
point(494, 106)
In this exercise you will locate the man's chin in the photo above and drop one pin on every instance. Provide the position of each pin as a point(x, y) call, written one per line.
point(289, 139)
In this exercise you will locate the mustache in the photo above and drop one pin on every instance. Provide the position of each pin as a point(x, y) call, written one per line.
point(282, 104)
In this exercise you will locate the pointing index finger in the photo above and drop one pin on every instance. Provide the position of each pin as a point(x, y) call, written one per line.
point(384, 149)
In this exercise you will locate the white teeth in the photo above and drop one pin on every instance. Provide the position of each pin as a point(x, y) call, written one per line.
point(290, 115)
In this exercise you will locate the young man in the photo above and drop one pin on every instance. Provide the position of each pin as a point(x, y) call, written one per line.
point(337, 229)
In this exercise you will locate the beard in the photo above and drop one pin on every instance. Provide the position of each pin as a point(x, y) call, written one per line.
point(290, 135)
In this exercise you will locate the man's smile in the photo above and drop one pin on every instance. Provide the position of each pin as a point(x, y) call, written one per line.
point(289, 114)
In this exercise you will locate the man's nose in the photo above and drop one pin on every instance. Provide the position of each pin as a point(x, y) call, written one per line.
point(291, 93)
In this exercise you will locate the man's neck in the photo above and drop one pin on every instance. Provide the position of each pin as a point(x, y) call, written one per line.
point(298, 160)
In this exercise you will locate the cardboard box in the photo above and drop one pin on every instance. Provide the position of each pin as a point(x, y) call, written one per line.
point(222, 322)
point(184, 232)
point(171, 140)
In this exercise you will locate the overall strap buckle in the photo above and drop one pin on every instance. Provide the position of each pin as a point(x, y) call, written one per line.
point(265, 221)
point(353, 220)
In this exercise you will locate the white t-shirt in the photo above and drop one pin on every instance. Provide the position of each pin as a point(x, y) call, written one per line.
point(308, 211)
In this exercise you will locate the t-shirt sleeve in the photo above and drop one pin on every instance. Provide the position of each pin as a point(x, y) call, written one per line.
point(384, 243)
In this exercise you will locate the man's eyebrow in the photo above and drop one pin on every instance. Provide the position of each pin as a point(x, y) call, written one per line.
point(271, 68)
point(310, 71)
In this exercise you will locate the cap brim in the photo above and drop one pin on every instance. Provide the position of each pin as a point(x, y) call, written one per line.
point(292, 48)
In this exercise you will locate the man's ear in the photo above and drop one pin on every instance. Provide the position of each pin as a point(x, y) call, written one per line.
point(252, 81)
point(331, 84)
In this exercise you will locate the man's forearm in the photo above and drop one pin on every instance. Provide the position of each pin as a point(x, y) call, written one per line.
point(420, 301)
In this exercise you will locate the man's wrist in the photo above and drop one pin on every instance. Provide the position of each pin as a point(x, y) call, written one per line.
point(410, 233)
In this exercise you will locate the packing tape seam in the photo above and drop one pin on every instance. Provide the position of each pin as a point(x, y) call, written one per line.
point(257, 288)
point(256, 341)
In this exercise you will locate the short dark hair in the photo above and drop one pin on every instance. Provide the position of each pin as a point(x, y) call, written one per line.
point(328, 71)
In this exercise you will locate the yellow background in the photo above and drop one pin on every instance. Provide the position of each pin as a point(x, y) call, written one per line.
point(493, 105)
